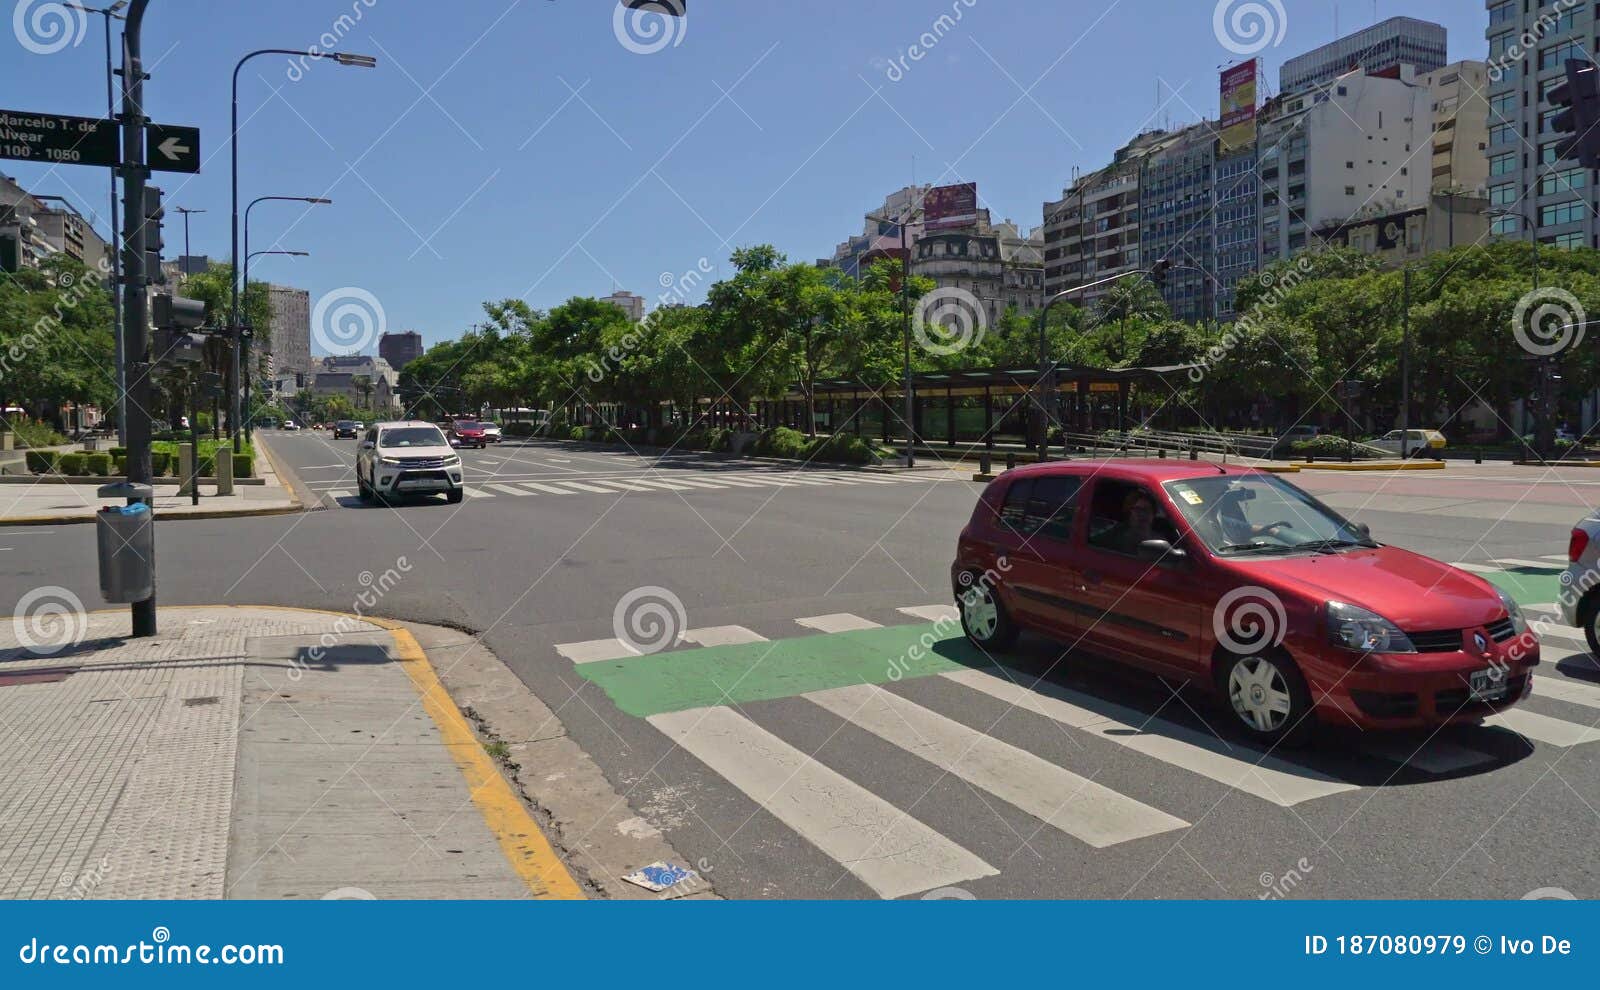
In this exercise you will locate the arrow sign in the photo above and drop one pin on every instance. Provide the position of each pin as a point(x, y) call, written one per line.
point(170, 148)
point(56, 140)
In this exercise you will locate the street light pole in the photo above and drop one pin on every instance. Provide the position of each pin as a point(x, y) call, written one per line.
point(186, 211)
point(248, 344)
point(134, 301)
point(343, 58)
point(106, 14)
point(909, 406)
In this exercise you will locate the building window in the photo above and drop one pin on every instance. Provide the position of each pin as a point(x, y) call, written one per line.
point(1506, 226)
point(1569, 241)
point(1563, 181)
point(1502, 195)
point(1556, 56)
point(1503, 107)
point(1553, 216)
point(1503, 164)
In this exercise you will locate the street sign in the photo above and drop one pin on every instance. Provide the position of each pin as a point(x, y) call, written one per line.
point(170, 148)
point(58, 140)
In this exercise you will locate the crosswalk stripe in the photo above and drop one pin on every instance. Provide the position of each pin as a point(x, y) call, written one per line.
point(768, 482)
point(862, 479)
point(886, 849)
point(631, 486)
point(1543, 565)
point(585, 487)
point(475, 493)
point(1565, 689)
point(723, 636)
point(692, 483)
point(508, 490)
point(1476, 568)
point(1267, 777)
point(837, 622)
point(666, 486)
point(931, 613)
point(596, 650)
point(723, 479)
point(547, 489)
point(1090, 812)
point(1560, 558)
point(1543, 728)
point(339, 495)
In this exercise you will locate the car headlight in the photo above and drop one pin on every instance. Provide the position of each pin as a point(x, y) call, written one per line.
point(1352, 627)
point(452, 461)
point(1519, 624)
point(391, 462)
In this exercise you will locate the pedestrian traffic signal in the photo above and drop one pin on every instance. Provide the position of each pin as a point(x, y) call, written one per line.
point(1578, 103)
point(1158, 273)
point(172, 312)
point(153, 214)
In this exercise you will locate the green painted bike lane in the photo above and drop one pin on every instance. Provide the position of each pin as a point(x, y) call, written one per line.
point(1529, 586)
point(733, 675)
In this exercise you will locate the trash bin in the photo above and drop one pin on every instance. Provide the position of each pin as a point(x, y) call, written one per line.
point(126, 536)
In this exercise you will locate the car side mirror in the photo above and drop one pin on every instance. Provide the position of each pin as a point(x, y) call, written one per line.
point(1364, 531)
point(1162, 552)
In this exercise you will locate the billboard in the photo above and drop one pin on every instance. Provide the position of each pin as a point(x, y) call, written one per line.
point(1239, 87)
point(950, 207)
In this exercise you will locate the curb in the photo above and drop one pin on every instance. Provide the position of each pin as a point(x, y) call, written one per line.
point(296, 502)
point(1576, 464)
point(1406, 466)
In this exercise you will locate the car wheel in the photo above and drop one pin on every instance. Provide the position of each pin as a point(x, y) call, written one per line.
point(363, 490)
point(1589, 618)
point(1268, 697)
point(455, 496)
point(984, 618)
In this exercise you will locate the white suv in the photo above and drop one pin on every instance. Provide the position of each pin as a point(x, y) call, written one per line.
point(409, 458)
point(1580, 583)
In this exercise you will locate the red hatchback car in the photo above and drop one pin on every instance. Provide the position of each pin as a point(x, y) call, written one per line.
point(467, 433)
point(1236, 579)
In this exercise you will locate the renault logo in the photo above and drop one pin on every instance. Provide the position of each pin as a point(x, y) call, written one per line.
point(1480, 642)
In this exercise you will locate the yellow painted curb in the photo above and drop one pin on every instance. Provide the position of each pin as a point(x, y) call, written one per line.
point(524, 844)
point(1279, 468)
point(1407, 466)
point(1576, 464)
point(283, 479)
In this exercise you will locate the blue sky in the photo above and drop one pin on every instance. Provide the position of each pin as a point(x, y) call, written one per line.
point(519, 148)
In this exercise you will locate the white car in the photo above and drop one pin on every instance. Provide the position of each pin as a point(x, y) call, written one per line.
point(291, 426)
point(1416, 442)
point(1580, 584)
point(395, 460)
point(491, 432)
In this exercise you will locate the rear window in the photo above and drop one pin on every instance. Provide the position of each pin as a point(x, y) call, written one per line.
point(1041, 506)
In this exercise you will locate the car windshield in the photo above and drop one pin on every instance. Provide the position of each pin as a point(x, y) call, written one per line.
point(345, 424)
point(412, 436)
point(1259, 514)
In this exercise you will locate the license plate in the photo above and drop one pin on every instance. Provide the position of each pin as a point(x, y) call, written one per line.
point(1488, 685)
point(425, 484)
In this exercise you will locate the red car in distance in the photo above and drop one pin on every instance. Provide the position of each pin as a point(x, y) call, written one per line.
point(1240, 581)
point(467, 433)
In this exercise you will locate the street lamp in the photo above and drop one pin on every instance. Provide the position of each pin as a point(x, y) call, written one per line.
point(107, 13)
point(905, 305)
point(186, 211)
point(342, 58)
point(249, 342)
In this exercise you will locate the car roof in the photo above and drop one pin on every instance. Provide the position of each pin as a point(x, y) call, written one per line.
point(401, 423)
point(1153, 471)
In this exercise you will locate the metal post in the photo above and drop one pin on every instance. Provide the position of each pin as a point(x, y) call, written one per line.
point(116, 257)
point(134, 303)
point(1405, 365)
point(905, 304)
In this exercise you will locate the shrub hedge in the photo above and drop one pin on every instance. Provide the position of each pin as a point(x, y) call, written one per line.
point(73, 464)
point(42, 461)
point(98, 464)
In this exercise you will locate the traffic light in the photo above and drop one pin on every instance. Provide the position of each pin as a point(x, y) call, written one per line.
point(1158, 273)
point(174, 317)
point(153, 214)
point(1578, 100)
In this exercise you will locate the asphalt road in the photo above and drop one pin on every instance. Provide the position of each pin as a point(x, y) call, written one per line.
point(1103, 783)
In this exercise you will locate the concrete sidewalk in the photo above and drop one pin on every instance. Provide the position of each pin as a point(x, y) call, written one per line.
point(52, 503)
point(248, 753)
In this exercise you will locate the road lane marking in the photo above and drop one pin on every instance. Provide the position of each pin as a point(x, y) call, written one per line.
point(583, 487)
point(1477, 568)
point(1278, 781)
point(547, 489)
point(1559, 558)
point(723, 479)
point(1434, 756)
point(339, 495)
point(695, 484)
point(474, 493)
point(1543, 565)
point(508, 490)
point(1543, 728)
point(596, 650)
point(931, 613)
point(669, 486)
point(723, 636)
point(1087, 811)
point(837, 622)
point(886, 849)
